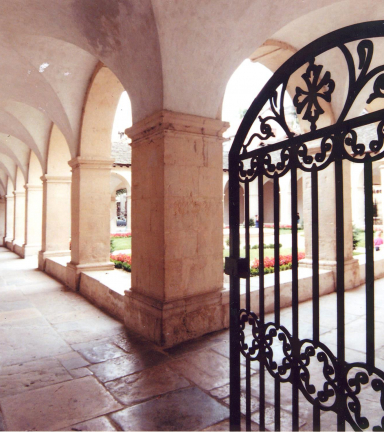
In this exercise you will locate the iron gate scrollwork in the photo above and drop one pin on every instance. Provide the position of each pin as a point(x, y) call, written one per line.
point(256, 154)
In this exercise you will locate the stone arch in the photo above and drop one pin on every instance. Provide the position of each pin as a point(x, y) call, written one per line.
point(103, 96)
point(58, 154)
point(35, 171)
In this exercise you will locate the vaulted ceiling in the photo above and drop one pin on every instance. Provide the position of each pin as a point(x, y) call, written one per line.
point(173, 54)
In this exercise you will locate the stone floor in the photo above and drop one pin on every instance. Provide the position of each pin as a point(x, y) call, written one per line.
point(65, 365)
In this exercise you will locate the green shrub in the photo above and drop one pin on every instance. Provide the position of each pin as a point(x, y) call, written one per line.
point(251, 222)
point(126, 266)
point(355, 236)
point(111, 246)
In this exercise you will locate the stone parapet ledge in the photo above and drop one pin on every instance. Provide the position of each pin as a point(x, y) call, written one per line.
point(169, 121)
point(44, 255)
point(351, 270)
point(31, 249)
point(74, 271)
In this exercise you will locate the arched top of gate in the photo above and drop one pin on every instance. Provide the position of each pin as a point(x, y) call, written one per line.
point(312, 84)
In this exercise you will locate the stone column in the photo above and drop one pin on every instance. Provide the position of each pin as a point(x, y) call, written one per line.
point(253, 200)
point(91, 198)
point(9, 220)
point(129, 206)
point(177, 235)
point(382, 193)
point(56, 226)
point(2, 220)
point(113, 214)
point(327, 224)
point(33, 219)
point(19, 226)
point(285, 200)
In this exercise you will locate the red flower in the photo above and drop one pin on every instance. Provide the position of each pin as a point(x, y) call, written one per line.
point(283, 260)
point(122, 257)
point(116, 235)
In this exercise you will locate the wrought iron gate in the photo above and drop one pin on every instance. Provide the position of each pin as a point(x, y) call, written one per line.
point(327, 144)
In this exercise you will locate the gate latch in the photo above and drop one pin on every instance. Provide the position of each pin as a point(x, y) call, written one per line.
point(237, 267)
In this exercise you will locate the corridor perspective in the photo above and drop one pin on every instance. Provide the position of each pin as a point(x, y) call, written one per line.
point(66, 365)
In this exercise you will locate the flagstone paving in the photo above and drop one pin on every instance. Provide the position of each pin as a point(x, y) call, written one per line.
point(66, 365)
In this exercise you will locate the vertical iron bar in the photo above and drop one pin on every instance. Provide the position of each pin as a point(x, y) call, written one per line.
point(248, 307)
point(247, 246)
point(234, 333)
point(261, 296)
point(339, 197)
point(369, 265)
point(315, 276)
point(295, 302)
point(276, 222)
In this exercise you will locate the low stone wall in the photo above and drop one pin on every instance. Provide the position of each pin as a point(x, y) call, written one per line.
point(94, 287)
point(57, 268)
point(378, 265)
point(327, 285)
point(18, 249)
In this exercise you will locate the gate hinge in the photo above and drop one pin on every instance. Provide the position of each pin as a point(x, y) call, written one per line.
point(237, 267)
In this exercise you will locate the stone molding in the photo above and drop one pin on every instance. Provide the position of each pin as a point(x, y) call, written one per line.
point(19, 194)
point(169, 121)
point(88, 163)
point(32, 187)
point(56, 179)
point(9, 197)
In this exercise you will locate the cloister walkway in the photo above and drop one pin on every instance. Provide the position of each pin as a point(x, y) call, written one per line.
point(66, 365)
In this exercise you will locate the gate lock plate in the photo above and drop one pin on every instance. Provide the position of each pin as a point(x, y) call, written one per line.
point(237, 267)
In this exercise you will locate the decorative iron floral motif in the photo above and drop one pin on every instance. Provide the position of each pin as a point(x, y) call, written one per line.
point(248, 173)
point(316, 89)
point(279, 165)
point(361, 151)
point(330, 395)
point(320, 159)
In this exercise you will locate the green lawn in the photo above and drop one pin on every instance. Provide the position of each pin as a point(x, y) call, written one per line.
point(121, 243)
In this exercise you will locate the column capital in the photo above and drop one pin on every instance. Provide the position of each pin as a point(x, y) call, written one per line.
point(89, 163)
point(56, 179)
point(33, 187)
point(174, 122)
point(19, 193)
point(9, 196)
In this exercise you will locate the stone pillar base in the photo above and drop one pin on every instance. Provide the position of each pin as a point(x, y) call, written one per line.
point(74, 271)
point(43, 255)
point(170, 323)
point(351, 270)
